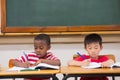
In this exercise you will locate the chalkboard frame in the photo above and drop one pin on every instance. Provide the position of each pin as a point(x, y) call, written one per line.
point(36, 29)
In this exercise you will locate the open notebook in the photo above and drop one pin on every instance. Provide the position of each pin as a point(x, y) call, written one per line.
point(39, 66)
point(98, 65)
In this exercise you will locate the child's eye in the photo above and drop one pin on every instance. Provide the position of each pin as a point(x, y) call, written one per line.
point(89, 48)
point(41, 47)
point(35, 48)
point(96, 48)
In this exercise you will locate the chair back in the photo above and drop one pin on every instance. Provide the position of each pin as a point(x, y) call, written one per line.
point(10, 63)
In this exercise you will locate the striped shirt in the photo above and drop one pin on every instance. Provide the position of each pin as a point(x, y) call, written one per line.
point(33, 58)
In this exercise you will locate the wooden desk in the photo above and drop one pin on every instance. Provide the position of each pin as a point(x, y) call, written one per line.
point(77, 72)
point(27, 74)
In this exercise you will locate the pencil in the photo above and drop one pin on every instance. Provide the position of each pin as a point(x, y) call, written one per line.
point(83, 57)
point(25, 55)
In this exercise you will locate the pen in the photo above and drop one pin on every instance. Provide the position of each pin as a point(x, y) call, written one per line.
point(25, 55)
point(83, 57)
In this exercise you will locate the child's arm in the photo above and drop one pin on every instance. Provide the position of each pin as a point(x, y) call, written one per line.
point(20, 64)
point(79, 63)
point(107, 63)
point(52, 62)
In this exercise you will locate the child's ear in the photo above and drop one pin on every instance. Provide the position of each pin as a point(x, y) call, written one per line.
point(49, 47)
point(101, 47)
point(85, 48)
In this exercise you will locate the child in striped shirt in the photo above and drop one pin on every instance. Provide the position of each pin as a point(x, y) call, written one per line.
point(42, 44)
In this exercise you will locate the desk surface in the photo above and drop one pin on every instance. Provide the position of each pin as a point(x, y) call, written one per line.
point(70, 71)
point(29, 72)
point(23, 74)
point(78, 70)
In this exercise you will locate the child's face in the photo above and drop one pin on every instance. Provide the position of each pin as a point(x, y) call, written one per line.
point(93, 49)
point(41, 48)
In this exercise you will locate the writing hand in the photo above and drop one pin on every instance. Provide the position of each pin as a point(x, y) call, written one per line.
point(86, 62)
point(26, 64)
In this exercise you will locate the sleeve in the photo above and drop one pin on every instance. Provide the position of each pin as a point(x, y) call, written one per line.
point(103, 58)
point(51, 56)
point(80, 58)
point(23, 58)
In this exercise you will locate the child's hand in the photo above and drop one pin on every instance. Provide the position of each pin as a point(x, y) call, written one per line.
point(26, 64)
point(86, 62)
point(79, 63)
point(107, 63)
point(39, 61)
point(21, 64)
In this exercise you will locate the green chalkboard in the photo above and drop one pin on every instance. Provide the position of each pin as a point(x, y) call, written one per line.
point(61, 13)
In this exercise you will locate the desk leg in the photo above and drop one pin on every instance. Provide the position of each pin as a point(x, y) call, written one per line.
point(65, 77)
point(54, 77)
point(113, 78)
point(75, 78)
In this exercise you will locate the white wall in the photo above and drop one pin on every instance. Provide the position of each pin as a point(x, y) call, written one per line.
point(63, 51)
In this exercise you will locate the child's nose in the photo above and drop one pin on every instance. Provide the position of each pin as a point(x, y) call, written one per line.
point(93, 50)
point(38, 49)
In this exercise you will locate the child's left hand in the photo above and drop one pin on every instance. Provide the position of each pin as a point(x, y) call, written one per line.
point(39, 61)
point(107, 63)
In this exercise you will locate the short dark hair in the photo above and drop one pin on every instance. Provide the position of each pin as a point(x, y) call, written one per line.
point(44, 37)
point(91, 38)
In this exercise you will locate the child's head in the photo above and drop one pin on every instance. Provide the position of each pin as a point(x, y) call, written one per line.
point(42, 44)
point(93, 44)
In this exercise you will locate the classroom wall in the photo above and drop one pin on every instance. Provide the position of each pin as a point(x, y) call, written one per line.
point(62, 46)
point(63, 51)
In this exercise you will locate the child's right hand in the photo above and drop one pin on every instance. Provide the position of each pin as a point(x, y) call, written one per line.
point(26, 64)
point(86, 62)
point(21, 64)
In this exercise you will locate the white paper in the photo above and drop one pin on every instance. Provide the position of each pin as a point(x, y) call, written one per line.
point(47, 65)
point(16, 68)
point(92, 65)
point(98, 65)
point(117, 64)
point(34, 67)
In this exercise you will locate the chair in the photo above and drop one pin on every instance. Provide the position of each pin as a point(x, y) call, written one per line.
point(110, 56)
point(11, 65)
